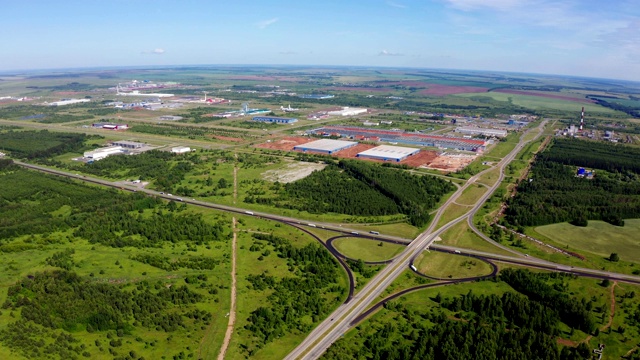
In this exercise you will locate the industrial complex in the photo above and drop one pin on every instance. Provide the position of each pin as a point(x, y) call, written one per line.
point(396, 136)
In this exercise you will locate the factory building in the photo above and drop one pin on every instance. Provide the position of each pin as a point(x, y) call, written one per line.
point(68, 102)
point(325, 146)
point(470, 130)
point(347, 111)
point(110, 126)
point(316, 96)
point(388, 153)
point(180, 149)
point(275, 119)
point(397, 136)
point(128, 144)
point(103, 153)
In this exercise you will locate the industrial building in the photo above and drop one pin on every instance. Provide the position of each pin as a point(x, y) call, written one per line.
point(103, 153)
point(275, 119)
point(68, 102)
point(128, 144)
point(347, 111)
point(388, 153)
point(470, 130)
point(316, 96)
point(110, 126)
point(397, 136)
point(180, 149)
point(325, 146)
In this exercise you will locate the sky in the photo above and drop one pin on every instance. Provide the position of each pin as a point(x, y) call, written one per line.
point(591, 38)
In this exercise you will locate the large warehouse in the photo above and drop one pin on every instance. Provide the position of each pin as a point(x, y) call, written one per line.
point(469, 130)
point(102, 153)
point(325, 146)
point(275, 119)
point(388, 153)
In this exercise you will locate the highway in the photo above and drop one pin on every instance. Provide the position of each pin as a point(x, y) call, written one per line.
point(340, 320)
point(343, 318)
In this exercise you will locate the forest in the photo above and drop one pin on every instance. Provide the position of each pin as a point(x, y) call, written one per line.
point(44, 299)
point(295, 302)
point(364, 189)
point(41, 144)
point(513, 325)
point(553, 193)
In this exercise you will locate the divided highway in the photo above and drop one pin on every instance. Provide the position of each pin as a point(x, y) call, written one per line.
point(340, 320)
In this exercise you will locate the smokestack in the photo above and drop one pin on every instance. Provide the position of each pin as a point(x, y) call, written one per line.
point(582, 119)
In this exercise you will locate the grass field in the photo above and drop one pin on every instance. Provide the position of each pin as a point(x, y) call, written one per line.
point(598, 237)
point(460, 235)
point(540, 103)
point(453, 211)
point(471, 194)
point(489, 178)
point(443, 265)
point(367, 250)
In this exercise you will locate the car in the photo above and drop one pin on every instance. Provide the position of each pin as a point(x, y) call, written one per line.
point(355, 233)
point(526, 255)
point(161, 193)
point(179, 199)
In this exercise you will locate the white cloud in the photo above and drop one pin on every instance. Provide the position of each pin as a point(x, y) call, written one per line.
point(387, 53)
point(396, 5)
point(265, 23)
point(156, 51)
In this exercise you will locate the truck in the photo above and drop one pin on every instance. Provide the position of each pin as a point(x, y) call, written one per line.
point(249, 212)
point(374, 232)
point(413, 267)
point(355, 233)
point(457, 252)
point(312, 225)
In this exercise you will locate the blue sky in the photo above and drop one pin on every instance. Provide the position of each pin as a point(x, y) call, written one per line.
point(570, 37)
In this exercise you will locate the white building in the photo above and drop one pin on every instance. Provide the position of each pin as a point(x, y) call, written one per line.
point(347, 111)
point(180, 149)
point(68, 102)
point(103, 152)
point(481, 131)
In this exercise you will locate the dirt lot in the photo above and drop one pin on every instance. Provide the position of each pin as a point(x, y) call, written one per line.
point(285, 144)
point(294, 171)
point(422, 158)
point(351, 152)
point(450, 163)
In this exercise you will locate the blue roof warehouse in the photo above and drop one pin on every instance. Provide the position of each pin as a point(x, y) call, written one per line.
point(275, 119)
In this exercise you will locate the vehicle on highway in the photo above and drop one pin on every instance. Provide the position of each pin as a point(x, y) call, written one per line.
point(413, 267)
point(355, 233)
point(179, 199)
point(312, 225)
point(374, 232)
point(457, 252)
point(161, 193)
point(249, 212)
point(169, 195)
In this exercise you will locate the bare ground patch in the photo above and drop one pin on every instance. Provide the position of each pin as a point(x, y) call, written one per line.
point(292, 172)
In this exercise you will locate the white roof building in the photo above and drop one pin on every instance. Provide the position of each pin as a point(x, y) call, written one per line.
point(470, 130)
point(347, 111)
point(388, 153)
point(103, 152)
point(180, 149)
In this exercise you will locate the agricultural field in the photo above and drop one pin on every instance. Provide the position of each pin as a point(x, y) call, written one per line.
point(598, 237)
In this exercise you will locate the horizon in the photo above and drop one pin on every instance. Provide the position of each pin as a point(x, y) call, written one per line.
point(584, 39)
point(17, 72)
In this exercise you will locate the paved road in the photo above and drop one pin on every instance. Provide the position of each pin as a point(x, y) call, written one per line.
point(340, 320)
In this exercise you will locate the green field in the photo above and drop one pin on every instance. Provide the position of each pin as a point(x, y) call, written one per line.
point(598, 237)
point(461, 236)
point(367, 250)
point(471, 195)
point(443, 265)
point(540, 103)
